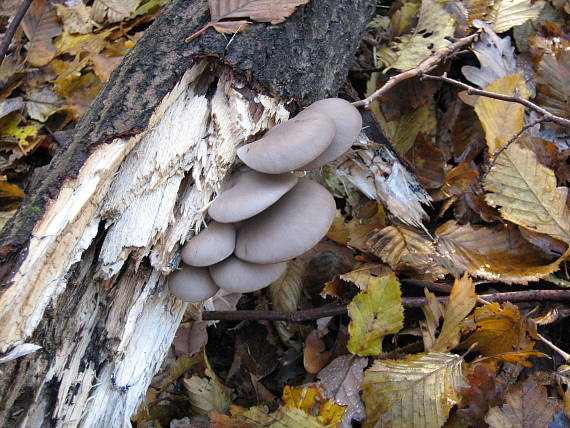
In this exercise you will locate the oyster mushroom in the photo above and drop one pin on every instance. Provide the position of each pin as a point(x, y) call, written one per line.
point(348, 123)
point(289, 145)
point(238, 276)
point(288, 228)
point(248, 194)
point(210, 246)
point(192, 284)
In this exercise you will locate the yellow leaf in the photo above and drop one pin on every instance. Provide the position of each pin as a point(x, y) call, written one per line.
point(10, 126)
point(9, 190)
point(506, 14)
point(416, 392)
point(461, 301)
point(519, 357)
point(284, 417)
point(363, 275)
point(310, 400)
point(502, 119)
point(434, 26)
point(526, 193)
point(375, 313)
point(496, 329)
point(498, 253)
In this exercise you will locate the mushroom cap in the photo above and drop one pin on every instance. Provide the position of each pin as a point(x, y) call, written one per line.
point(348, 123)
point(289, 145)
point(238, 276)
point(192, 284)
point(290, 227)
point(250, 193)
point(210, 246)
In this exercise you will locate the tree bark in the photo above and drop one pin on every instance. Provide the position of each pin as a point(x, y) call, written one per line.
point(85, 316)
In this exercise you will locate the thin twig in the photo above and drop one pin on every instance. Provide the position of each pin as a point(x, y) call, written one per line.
point(407, 302)
point(555, 348)
point(514, 99)
point(425, 66)
point(515, 138)
point(12, 28)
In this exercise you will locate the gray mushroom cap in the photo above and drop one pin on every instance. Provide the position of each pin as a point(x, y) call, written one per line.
point(288, 228)
point(248, 194)
point(289, 145)
point(192, 284)
point(348, 123)
point(238, 276)
point(210, 246)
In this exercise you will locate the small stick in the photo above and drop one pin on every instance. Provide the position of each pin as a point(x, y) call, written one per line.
point(514, 99)
point(515, 138)
point(425, 66)
point(12, 28)
point(407, 302)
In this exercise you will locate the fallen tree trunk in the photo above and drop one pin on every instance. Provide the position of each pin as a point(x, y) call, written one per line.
point(85, 316)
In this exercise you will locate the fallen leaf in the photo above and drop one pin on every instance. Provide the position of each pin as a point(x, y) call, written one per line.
point(497, 253)
point(9, 190)
point(501, 120)
point(365, 274)
point(315, 354)
point(496, 57)
point(76, 19)
point(42, 104)
point(375, 313)
point(460, 303)
point(103, 66)
point(342, 380)
point(285, 296)
point(404, 248)
point(527, 405)
point(553, 92)
point(429, 162)
point(310, 400)
point(506, 14)
point(272, 11)
point(40, 25)
point(482, 393)
point(418, 391)
point(113, 10)
point(497, 329)
point(10, 105)
point(433, 312)
point(527, 194)
point(435, 25)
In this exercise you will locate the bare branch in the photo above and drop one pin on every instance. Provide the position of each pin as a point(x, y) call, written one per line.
point(514, 99)
point(425, 66)
point(407, 302)
point(12, 28)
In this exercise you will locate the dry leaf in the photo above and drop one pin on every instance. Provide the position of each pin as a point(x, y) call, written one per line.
point(76, 19)
point(429, 162)
point(497, 253)
point(433, 311)
point(311, 401)
point(40, 25)
point(113, 10)
point(272, 11)
point(404, 248)
point(285, 295)
point(553, 91)
point(527, 405)
point(502, 119)
point(342, 380)
point(496, 329)
point(506, 14)
point(315, 354)
point(496, 56)
point(461, 301)
point(435, 25)
point(527, 194)
point(207, 393)
point(416, 392)
point(104, 66)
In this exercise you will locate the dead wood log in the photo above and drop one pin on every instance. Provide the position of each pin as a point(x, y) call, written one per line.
point(84, 315)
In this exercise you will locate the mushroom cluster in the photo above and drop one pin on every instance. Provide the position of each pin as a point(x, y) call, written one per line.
point(267, 215)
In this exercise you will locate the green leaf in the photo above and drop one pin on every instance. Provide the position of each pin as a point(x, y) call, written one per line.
point(416, 392)
point(375, 313)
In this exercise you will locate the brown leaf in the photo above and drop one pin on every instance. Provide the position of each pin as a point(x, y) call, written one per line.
point(104, 66)
point(230, 27)
point(342, 380)
point(527, 405)
point(315, 354)
point(482, 394)
point(429, 162)
point(113, 10)
point(498, 253)
point(552, 90)
point(76, 19)
point(40, 26)
point(273, 11)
